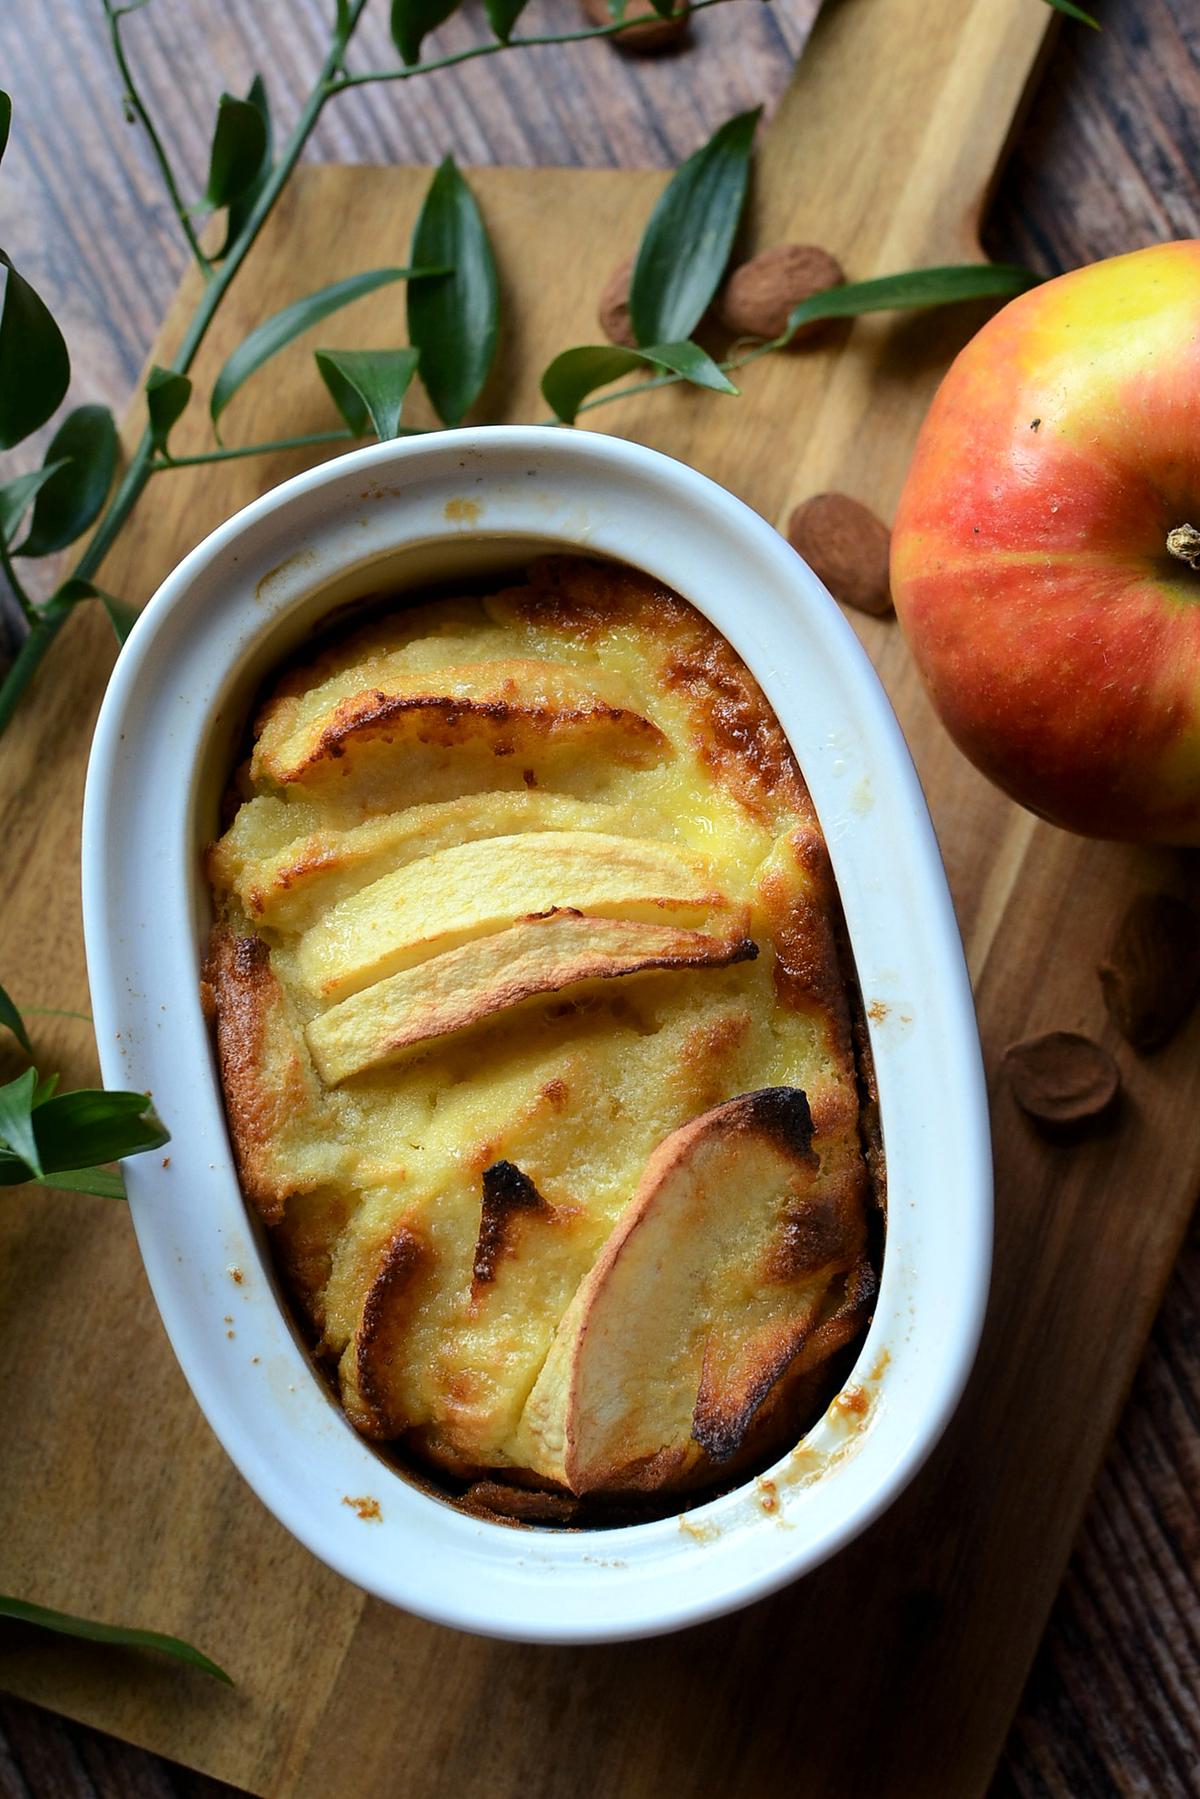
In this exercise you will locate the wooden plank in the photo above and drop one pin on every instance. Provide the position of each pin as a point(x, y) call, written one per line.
point(897, 1668)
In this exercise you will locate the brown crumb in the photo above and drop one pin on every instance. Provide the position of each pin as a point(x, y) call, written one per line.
point(655, 34)
point(1062, 1078)
point(759, 297)
point(1151, 973)
point(612, 311)
point(236, 1276)
point(365, 1507)
point(847, 548)
point(166, 1161)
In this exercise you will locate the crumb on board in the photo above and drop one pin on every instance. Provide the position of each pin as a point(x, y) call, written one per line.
point(236, 1276)
point(166, 1161)
point(365, 1507)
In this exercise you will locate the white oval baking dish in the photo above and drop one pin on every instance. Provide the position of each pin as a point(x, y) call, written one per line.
point(425, 509)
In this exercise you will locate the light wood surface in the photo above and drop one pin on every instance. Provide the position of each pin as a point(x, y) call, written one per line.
point(897, 1669)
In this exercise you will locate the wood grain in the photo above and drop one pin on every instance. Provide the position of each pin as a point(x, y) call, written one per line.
point(1141, 1746)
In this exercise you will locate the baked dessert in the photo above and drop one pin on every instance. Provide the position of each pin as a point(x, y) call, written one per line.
point(535, 1034)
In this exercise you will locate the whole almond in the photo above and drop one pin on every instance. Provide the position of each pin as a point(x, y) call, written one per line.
point(758, 297)
point(847, 547)
point(1151, 973)
point(613, 310)
point(1062, 1078)
point(656, 33)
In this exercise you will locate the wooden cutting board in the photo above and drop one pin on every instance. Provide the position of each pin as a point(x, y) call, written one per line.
point(896, 1669)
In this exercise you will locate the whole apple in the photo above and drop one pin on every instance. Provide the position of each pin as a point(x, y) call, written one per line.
point(1046, 554)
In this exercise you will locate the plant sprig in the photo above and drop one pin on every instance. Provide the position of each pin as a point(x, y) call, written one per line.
point(121, 1636)
point(64, 1139)
point(453, 311)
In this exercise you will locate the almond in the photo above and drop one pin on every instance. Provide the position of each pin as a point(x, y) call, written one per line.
point(759, 296)
point(1062, 1078)
point(613, 310)
point(656, 34)
point(1150, 976)
point(847, 548)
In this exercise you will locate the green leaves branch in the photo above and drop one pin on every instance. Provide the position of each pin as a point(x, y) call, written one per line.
point(64, 1139)
point(681, 260)
point(453, 314)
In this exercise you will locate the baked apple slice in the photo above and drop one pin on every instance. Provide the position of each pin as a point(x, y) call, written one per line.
point(730, 1260)
point(287, 877)
point(473, 889)
point(475, 982)
point(509, 704)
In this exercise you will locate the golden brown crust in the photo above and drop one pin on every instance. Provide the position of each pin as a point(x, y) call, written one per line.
point(446, 723)
point(243, 990)
point(379, 1341)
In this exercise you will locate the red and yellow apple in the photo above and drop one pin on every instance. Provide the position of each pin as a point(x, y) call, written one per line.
point(1042, 556)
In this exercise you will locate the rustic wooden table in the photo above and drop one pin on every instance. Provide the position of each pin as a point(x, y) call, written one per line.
point(1103, 164)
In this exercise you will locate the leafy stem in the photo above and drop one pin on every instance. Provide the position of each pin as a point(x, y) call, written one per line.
point(114, 15)
point(644, 387)
point(47, 621)
point(161, 464)
point(27, 606)
point(339, 83)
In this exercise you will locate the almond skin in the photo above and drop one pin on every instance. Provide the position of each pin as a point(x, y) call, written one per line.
point(1150, 976)
point(644, 39)
point(758, 297)
point(847, 548)
point(1062, 1078)
point(613, 310)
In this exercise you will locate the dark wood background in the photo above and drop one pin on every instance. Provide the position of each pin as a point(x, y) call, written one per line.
point(1108, 160)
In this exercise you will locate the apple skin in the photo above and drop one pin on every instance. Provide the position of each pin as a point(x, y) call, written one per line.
point(1058, 638)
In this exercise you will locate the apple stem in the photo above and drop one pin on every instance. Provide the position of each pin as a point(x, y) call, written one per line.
point(1184, 543)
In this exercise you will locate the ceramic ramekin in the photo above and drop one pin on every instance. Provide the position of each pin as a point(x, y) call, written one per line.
point(408, 513)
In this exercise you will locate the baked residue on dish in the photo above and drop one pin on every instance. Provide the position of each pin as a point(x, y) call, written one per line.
point(536, 1041)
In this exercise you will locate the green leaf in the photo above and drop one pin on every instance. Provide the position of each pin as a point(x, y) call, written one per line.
point(16, 1120)
point(12, 1020)
point(34, 365)
point(576, 373)
point(5, 121)
point(454, 321)
point(105, 1183)
point(275, 333)
point(16, 495)
point(122, 616)
point(69, 1626)
point(368, 384)
point(238, 146)
point(167, 395)
point(686, 245)
point(502, 15)
point(412, 19)
point(664, 8)
point(1074, 12)
point(46, 1088)
point(72, 499)
point(919, 287)
point(75, 1130)
point(243, 203)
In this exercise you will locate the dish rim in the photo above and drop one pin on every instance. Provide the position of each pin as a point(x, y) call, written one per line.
point(226, 599)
